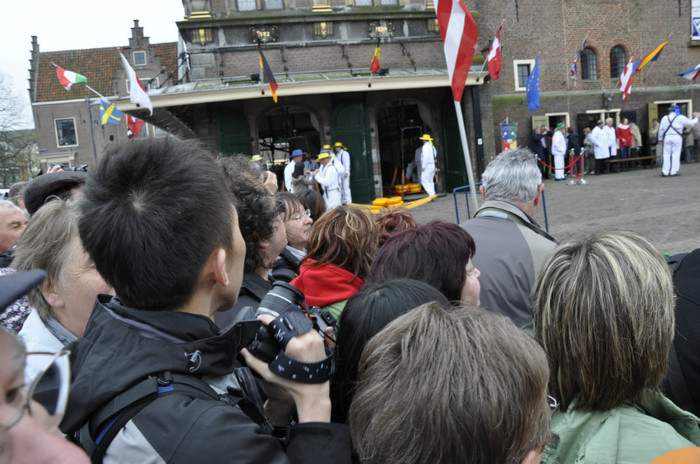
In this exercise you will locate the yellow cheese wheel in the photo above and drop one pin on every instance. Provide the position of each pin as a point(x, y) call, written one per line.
point(381, 201)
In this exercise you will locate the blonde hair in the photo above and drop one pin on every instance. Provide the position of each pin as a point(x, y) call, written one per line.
point(603, 312)
point(450, 385)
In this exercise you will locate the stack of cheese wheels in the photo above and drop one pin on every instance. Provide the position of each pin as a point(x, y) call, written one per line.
point(413, 188)
point(379, 204)
point(394, 202)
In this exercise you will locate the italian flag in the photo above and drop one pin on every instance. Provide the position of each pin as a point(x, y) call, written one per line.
point(68, 78)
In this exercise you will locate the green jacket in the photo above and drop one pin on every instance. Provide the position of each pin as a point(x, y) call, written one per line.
point(632, 433)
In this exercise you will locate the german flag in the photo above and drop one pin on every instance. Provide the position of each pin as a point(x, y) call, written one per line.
point(269, 77)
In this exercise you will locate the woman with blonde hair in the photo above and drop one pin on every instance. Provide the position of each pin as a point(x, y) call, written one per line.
point(604, 315)
point(338, 256)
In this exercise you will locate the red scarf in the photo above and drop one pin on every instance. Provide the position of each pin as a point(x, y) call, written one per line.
point(326, 284)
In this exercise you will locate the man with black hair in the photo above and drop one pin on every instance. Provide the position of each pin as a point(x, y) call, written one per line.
point(155, 379)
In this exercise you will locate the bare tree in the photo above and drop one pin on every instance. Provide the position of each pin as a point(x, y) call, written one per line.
point(18, 149)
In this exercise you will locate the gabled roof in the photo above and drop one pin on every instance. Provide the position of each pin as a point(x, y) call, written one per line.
point(99, 65)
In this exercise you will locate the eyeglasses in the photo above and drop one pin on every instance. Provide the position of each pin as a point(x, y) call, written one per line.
point(300, 216)
point(552, 403)
point(47, 396)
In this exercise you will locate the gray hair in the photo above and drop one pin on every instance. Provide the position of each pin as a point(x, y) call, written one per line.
point(47, 244)
point(512, 176)
point(9, 204)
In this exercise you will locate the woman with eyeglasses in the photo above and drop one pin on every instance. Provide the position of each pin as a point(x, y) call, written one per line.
point(29, 414)
point(604, 314)
point(63, 302)
point(297, 224)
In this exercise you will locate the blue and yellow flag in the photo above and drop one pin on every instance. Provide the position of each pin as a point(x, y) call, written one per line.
point(110, 114)
point(653, 56)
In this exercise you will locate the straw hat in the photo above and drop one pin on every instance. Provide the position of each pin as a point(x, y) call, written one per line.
point(425, 137)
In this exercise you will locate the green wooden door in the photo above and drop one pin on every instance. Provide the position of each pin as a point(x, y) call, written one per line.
point(453, 159)
point(234, 134)
point(350, 126)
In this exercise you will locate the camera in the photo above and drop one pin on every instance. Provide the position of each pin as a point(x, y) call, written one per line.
point(81, 168)
point(280, 298)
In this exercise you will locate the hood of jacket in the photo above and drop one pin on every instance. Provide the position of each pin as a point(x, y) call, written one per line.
point(326, 284)
point(122, 346)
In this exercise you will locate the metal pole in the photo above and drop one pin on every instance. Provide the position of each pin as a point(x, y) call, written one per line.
point(92, 135)
point(465, 149)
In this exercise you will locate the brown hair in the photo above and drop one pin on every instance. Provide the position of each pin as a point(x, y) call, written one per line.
point(450, 385)
point(393, 220)
point(346, 237)
point(603, 312)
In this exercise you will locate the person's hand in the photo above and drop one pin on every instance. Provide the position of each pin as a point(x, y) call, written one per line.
point(312, 400)
point(270, 182)
point(55, 168)
point(346, 175)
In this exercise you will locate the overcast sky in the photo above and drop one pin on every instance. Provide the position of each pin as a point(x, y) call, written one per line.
point(76, 24)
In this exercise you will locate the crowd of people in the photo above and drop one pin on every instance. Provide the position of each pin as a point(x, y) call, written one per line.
point(209, 318)
point(673, 136)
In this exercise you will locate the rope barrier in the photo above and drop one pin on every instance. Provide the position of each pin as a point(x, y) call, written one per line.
point(576, 160)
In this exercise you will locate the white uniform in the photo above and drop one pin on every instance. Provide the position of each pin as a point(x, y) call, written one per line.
point(601, 148)
point(288, 171)
point(558, 151)
point(327, 178)
point(427, 161)
point(345, 193)
point(670, 132)
point(611, 139)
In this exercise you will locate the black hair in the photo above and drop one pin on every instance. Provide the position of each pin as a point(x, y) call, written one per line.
point(313, 201)
point(366, 314)
point(257, 209)
point(298, 169)
point(151, 216)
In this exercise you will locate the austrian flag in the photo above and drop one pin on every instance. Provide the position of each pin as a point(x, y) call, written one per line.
point(459, 33)
point(626, 79)
point(494, 57)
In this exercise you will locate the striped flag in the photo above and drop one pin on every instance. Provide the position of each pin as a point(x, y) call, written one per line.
point(691, 74)
point(459, 33)
point(137, 92)
point(269, 77)
point(374, 67)
point(573, 72)
point(626, 79)
point(653, 56)
point(494, 57)
point(68, 78)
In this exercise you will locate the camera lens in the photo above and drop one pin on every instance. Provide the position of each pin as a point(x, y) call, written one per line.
point(280, 297)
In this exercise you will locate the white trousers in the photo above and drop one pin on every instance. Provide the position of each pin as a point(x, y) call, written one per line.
point(672, 155)
point(558, 166)
point(426, 180)
point(346, 194)
point(332, 198)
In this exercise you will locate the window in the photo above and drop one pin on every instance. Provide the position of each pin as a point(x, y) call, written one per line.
point(522, 68)
point(147, 84)
point(246, 5)
point(388, 2)
point(618, 61)
point(139, 58)
point(66, 136)
point(363, 2)
point(274, 4)
point(589, 65)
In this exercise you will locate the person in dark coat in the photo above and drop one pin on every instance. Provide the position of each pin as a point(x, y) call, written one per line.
point(573, 141)
point(537, 147)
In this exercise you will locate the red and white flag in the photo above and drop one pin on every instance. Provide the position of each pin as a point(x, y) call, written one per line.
point(494, 57)
point(137, 93)
point(133, 127)
point(626, 79)
point(459, 32)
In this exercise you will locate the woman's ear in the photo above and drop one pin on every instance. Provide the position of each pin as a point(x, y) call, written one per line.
point(48, 291)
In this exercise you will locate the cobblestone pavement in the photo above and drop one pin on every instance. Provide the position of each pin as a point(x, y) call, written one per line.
point(664, 209)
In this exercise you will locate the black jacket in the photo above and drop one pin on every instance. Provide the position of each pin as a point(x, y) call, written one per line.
point(253, 289)
point(122, 346)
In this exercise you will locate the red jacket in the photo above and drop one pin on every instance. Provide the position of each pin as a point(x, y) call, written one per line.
point(624, 135)
point(326, 284)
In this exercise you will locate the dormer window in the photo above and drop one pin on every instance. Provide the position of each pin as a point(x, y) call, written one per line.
point(139, 58)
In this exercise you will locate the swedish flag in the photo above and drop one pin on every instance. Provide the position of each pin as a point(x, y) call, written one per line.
point(110, 114)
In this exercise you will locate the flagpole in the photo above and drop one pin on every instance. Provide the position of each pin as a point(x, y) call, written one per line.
point(467, 157)
point(92, 135)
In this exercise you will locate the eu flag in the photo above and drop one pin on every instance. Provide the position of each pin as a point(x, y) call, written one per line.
point(533, 87)
point(110, 114)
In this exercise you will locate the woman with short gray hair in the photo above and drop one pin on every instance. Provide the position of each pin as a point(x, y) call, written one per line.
point(604, 315)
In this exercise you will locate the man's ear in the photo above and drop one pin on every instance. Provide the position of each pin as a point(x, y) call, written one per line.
point(540, 189)
point(483, 192)
point(48, 290)
point(220, 267)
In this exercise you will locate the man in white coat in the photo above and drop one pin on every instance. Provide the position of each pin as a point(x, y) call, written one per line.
point(344, 158)
point(610, 137)
point(295, 157)
point(559, 151)
point(601, 147)
point(327, 177)
point(671, 138)
point(427, 162)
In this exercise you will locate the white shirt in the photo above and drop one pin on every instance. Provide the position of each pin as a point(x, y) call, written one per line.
point(675, 126)
point(288, 171)
point(428, 153)
point(327, 177)
point(558, 144)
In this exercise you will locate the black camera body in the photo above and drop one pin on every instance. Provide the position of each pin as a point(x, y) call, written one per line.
point(280, 298)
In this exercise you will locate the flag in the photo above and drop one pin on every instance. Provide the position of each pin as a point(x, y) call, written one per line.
point(653, 56)
point(459, 33)
point(138, 94)
point(573, 72)
point(133, 127)
point(68, 78)
point(626, 79)
point(691, 74)
point(374, 67)
point(494, 57)
point(532, 90)
point(110, 114)
point(269, 77)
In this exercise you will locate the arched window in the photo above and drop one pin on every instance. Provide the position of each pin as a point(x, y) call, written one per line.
point(589, 65)
point(618, 61)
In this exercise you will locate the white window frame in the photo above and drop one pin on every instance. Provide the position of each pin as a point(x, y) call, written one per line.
point(676, 102)
point(612, 111)
point(567, 118)
point(75, 128)
point(140, 53)
point(516, 63)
